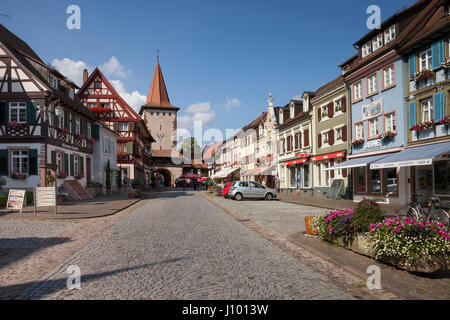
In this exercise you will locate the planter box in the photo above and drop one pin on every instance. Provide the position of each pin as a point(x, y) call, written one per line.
point(360, 246)
point(309, 229)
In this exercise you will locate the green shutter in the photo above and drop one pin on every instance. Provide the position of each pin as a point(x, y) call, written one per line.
point(66, 120)
point(53, 157)
point(81, 160)
point(66, 163)
point(439, 106)
point(73, 124)
point(130, 147)
point(3, 112)
point(71, 165)
point(31, 112)
point(412, 114)
point(4, 162)
point(412, 65)
point(33, 162)
point(84, 127)
point(96, 131)
point(437, 52)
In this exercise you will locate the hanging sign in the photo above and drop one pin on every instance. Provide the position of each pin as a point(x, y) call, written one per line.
point(15, 200)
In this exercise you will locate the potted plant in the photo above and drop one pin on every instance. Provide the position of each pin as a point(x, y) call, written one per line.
point(422, 126)
point(419, 75)
point(388, 135)
point(49, 179)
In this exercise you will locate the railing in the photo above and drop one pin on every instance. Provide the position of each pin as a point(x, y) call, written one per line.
point(74, 139)
point(15, 130)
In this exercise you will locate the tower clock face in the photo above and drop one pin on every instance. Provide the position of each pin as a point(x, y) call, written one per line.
point(160, 137)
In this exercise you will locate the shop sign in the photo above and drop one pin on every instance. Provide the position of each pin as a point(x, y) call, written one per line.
point(294, 162)
point(373, 144)
point(372, 109)
point(328, 156)
point(301, 155)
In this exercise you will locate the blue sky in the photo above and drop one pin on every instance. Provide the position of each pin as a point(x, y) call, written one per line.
point(221, 57)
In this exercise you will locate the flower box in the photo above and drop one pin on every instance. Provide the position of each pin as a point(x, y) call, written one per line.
point(422, 75)
point(18, 176)
point(79, 177)
point(388, 135)
point(309, 229)
point(357, 142)
point(445, 121)
point(422, 126)
point(446, 63)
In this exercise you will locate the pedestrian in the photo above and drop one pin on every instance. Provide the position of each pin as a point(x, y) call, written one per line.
point(183, 183)
point(194, 182)
point(206, 185)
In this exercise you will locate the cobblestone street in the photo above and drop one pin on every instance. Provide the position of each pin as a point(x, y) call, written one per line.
point(180, 246)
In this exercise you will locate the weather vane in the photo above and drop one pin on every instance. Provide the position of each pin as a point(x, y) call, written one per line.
point(157, 55)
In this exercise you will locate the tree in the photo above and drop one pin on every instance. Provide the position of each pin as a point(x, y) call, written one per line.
point(189, 148)
point(108, 176)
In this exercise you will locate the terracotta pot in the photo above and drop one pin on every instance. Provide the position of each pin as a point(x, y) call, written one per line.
point(309, 229)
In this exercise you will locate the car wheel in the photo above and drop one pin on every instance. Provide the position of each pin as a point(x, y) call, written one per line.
point(269, 196)
point(238, 197)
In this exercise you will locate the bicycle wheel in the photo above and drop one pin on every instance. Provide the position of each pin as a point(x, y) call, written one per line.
point(439, 216)
point(413, 214)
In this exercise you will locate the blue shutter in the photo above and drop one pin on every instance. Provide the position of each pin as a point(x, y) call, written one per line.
point(412, 65)
point(437, 52)
point(412, 114)
point(439, 106)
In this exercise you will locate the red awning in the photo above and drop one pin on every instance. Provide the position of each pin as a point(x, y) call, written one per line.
point(294, 162)
point(191, 176)
point(328, 156)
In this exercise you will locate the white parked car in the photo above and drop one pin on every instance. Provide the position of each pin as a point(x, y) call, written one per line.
point(250, 190)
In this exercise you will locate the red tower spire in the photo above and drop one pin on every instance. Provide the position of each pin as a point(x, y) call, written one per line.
point(157, 96)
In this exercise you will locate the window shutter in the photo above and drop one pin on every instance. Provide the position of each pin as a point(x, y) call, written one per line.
point(299, 140)
point(331, 137)
point(84, 127)
point(412, 65)
point(412, 114)
point(330, 110)
point(115, 126)
point(4, 162)
point(344, 133)
point(66, 120)
point(96, 131)
point(344, 173)
point(319, 140)
point(3, 112)
point(31, 112)
point(130, 147)
point(344, 104)
point(81, 159)
point(437, 52)
point(33, 162)
point(319, 114)
point(306, 138)
point(131, 126)
point(66, 163)
point(71, 165)
point(53, 157)
point(439, 106)
point(73, 124)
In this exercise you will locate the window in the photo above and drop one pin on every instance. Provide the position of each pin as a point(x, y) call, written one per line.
point(293, 174)
point(77, 126)
point(319, 174)
point(98, 84)
point(306, 176)
point(374, 128)
point(243, 184)
point(360, 180)
point(389, 34)
point(372, 86)
point(324, 112)
point(76, 166)
point(442, 177)
point(359, 130)
point(297, 140)
point(377, 42)
point(92, 105)
point(324, 138)
point(19, 159)
point(123, 126)
point(338, 105)
point(390, 122)
point(89, 131)
point(425, 60)
point(60, 117)
point(71, 93)
point(390, 180)
point(17, 112)
point(339, 134)
point(375, 181)
point(338, 172)
point(326, 174)
point(59, 162)
point(389, 76)
point(53, 82)
point(105, 105)
point(366, 49)
point(357, 91)
point(427, 110)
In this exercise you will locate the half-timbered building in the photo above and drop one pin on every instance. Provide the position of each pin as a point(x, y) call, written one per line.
point(134, 140)
point(45, 130)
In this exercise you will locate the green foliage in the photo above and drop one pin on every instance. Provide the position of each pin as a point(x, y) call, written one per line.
point(2, 182)
point(29, 196)
point(136, 184)
point(189, 147)
point(368, 212)
point(119, 179)
point(108, 176)
point(3, 201)
point(95, 185)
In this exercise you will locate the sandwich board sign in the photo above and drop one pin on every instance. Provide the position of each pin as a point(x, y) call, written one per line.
point(15, 200)
point(335, 189)
point(45, 197)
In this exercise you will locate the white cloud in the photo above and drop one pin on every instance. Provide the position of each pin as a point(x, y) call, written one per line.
point(230, 104)
point(71, 69)
point(134, 99)
point(197, 112)
point(114, 68)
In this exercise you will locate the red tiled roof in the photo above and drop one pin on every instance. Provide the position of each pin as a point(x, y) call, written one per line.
point(166, 153)
point(157, 95)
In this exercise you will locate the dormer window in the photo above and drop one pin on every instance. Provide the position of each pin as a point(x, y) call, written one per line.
point(71, 93)
point(292, 111)
point(281, 117)
point(377, 42)
point(366, 49)
point(53, 82)
point(305, 105)
point(389, 34)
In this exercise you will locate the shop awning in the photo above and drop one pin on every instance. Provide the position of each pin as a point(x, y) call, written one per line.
point(263, 171)
point(294, 162)
point(358, 162)
point(224, 173)
point(253, 172)
point(335, 155)
point(414, 156)
point(269, 171)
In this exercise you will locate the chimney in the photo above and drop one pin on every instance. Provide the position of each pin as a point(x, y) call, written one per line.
point(85, 76)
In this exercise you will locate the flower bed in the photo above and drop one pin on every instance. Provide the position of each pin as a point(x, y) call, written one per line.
point(405, 243)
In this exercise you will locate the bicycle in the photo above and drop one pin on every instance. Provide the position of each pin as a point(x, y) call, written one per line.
point(414, 208)
point(436, 213)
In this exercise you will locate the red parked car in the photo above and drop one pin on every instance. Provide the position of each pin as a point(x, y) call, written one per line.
point(226, 189)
